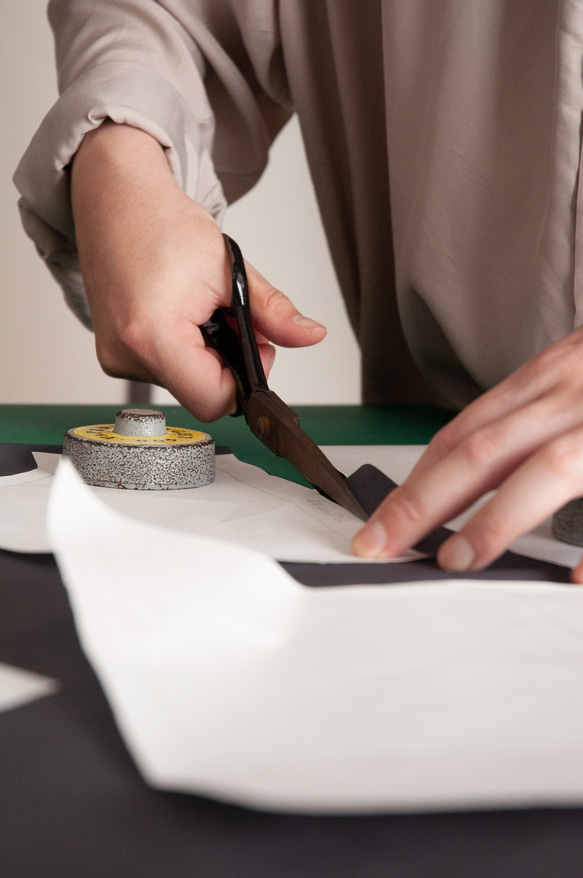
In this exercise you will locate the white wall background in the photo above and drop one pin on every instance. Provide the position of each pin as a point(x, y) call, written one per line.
point(46, 356)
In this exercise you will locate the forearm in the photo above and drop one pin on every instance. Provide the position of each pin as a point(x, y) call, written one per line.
point(155, 269)
point(118, 174)
point(133, 227)
point(114, 154)
point(119, 170)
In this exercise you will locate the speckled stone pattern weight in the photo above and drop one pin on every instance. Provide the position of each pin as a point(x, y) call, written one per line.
point(567, 523)
point(146, 456)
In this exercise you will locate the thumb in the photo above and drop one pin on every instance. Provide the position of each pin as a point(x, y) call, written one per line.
point(276, 317)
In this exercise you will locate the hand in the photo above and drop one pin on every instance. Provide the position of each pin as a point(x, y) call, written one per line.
point(523, 437)
point(155, 268)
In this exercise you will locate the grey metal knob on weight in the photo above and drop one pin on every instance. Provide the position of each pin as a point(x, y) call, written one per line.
point(139, 452)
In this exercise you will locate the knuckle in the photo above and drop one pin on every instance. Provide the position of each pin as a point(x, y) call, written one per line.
point(204, 411)
point(111, 369)
point(550, 365)
point(541, 374)
point(410, 505)
point(274, 299)
point(115, 366)
point(539, 366)
point(481, 448)
point(444, 440)
point(563, 458)
point(108, 359)
point(132, 336)
point(121, 350)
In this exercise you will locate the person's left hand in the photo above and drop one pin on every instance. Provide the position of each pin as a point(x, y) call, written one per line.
point(524, 438)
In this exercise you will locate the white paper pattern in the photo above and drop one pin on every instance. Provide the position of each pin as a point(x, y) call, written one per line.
point(244, 505)
point(228, 678)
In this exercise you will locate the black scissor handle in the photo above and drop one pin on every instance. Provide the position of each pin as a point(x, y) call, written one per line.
point(241, 311)
point(237, 348)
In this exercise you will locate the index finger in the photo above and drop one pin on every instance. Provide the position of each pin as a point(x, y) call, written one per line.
point(193, 373)
point(436, 493)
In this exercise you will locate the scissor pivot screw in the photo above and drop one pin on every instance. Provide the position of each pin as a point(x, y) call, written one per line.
point(263, 428)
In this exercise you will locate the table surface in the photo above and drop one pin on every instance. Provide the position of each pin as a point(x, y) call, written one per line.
point(73, 804)
point(327, 425)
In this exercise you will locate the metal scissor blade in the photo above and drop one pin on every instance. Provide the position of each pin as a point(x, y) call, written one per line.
point(278, 427)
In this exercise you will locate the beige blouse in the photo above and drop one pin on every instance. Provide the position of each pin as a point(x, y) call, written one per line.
point(443, 136)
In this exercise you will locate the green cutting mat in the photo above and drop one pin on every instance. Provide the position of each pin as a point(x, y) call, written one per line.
point(327, 425)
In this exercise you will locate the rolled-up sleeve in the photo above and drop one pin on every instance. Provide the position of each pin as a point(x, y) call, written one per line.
point(200, 76)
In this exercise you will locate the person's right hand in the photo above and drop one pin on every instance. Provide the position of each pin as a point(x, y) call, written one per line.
point(155, 268)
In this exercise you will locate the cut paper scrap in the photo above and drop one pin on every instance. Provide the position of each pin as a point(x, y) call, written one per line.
point(244, 505)
point(19, 687)
point(228, 678)
point(23, 506)
point(251, 508)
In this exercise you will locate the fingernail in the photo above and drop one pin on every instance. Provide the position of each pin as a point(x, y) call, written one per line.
point(456, 554)
point(307, 322)
point(370, 541)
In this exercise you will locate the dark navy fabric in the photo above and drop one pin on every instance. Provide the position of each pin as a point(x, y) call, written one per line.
point(73, 805)
point(371, 486)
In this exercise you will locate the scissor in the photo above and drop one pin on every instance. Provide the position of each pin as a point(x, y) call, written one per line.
point(268, 417)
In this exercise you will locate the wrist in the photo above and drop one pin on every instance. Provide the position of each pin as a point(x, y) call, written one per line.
point(113, 159)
